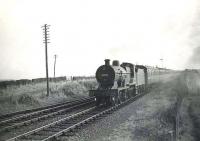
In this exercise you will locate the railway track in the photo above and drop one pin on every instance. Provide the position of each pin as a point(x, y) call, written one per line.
point(12, 115)
point(69, 123)
point(41, 114)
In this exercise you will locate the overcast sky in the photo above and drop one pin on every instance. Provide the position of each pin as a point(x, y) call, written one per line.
point(85, 32)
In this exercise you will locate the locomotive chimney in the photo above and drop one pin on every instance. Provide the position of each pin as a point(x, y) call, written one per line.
point(107, 62)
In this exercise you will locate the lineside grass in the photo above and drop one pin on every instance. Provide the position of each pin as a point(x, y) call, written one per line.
point(16, 98)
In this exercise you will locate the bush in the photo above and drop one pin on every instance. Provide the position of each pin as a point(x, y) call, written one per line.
point(78, 87)
point(34, 95)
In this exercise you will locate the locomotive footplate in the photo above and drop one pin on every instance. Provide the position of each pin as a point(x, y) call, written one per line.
point(104, 93)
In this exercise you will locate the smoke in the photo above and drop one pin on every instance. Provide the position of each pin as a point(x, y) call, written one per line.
point(194, 59)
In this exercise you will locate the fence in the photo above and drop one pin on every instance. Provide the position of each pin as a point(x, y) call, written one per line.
point(5, 84)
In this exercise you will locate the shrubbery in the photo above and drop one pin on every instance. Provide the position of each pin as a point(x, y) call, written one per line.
point(34, 95)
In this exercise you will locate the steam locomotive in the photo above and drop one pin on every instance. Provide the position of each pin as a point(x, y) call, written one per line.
point(118, 82)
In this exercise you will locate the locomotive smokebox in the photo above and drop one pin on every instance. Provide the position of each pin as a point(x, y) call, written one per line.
point(107, 62)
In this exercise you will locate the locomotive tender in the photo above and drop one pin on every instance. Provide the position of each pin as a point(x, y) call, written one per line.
point(118, 82)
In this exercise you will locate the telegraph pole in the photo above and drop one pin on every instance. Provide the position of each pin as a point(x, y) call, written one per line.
point(55, 65)
point(46, 39)
point(162, 62)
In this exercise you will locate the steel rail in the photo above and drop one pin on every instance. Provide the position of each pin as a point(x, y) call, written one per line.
point(62, 129)
point(43, 111)
point(51, 124)
point(93, 117)
point(12, 115)
point(32, 120)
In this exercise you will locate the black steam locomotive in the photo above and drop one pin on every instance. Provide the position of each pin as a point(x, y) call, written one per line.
point(117, 82)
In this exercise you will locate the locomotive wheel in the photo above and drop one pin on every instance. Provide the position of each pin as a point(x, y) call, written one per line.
point(113, 100)
point(125, 96)
point(136, 91)
point(128, 94)
point(120, 97)
point(119, 101)
point(98, 101)
point(107, 101)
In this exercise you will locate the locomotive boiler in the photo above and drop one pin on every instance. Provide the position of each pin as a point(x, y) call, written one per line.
point(110, 76)
point(118, 82)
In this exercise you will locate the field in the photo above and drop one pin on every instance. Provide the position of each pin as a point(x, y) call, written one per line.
point(16, 98)
point(190, 109)
point(169, 111)
point(154, 116)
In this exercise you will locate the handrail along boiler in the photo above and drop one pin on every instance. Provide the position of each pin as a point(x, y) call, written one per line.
point(118, 82)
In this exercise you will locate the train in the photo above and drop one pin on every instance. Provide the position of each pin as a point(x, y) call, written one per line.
point(118, 82)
